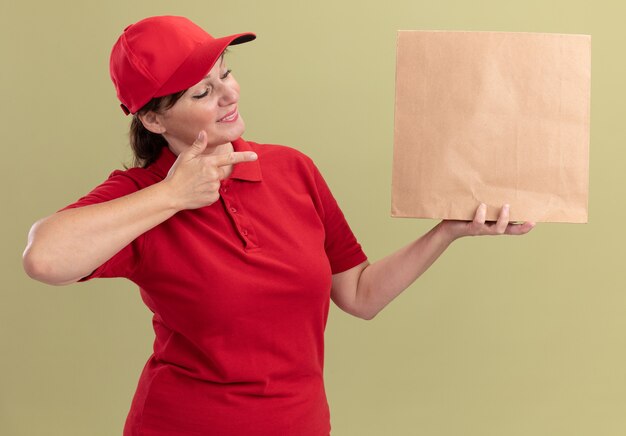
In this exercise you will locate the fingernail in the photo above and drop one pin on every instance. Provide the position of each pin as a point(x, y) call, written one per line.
point(200, 135)
point(252, 156)
point(506, 206)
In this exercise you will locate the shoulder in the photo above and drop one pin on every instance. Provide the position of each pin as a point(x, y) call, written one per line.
point(118, 184)
point(275, 156)
point(132, 179)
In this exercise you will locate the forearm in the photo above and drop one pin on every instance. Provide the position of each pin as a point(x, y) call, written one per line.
point(70, 244)
point(379, 283)
point(382, 281)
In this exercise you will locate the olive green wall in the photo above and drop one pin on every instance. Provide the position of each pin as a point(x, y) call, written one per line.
point(502, 336)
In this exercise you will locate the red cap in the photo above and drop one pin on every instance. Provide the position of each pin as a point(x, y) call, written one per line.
point(158, 56)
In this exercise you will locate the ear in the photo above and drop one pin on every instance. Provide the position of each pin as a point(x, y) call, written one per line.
point(152, 122)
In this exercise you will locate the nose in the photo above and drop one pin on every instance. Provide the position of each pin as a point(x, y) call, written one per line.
point(229, 94)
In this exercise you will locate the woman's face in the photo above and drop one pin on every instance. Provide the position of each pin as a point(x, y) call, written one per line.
point(210, 105)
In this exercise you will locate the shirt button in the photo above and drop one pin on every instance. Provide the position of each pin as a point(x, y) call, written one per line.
point(244, 232)
point(233, 210)
point(224, 189)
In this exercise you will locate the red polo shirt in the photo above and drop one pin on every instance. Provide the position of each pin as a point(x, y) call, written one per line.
point(240, 292)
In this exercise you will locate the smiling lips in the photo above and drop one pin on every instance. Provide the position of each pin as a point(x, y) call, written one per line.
point(229, 117)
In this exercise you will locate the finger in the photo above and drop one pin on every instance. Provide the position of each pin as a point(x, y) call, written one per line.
point(503, 220)
point(199, 145)
point(234, 157)
point(520, 229)
point(481, 214)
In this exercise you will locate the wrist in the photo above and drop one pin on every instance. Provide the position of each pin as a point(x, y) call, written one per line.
point(168, 195)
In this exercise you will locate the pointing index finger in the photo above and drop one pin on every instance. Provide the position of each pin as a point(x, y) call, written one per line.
point(235, 157)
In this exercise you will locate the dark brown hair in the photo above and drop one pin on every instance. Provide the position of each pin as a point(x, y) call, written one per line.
point(146, 145)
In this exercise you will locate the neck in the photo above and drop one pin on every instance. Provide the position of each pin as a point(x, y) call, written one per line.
point(211, 150)
point(219, 149)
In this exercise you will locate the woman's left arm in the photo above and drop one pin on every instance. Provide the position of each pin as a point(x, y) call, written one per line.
point(366, 289)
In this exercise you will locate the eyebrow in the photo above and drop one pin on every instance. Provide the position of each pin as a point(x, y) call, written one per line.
point(221, 62)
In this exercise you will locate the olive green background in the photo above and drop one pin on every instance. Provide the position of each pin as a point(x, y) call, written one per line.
point(502, 336)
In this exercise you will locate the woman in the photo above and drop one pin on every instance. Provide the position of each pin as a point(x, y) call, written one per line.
point(237, 248)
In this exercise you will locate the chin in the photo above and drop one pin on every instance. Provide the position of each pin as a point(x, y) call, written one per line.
point(237, 130)
point(231, 132)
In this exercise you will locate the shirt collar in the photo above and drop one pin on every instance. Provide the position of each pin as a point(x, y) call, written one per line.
point(248, 171)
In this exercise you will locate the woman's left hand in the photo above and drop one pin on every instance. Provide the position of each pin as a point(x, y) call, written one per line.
point(478, 227)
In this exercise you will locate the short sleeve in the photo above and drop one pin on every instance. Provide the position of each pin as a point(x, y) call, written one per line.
point(124, 262)
point(342, 248)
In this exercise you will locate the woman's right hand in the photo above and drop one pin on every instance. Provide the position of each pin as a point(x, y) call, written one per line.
point(194, 179)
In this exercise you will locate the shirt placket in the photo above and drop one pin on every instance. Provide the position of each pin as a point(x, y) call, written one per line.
point(239, 217)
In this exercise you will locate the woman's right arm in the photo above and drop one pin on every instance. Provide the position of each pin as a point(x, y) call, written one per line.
point(69, 245)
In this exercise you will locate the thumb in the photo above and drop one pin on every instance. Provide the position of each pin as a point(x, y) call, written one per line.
point(199, 145)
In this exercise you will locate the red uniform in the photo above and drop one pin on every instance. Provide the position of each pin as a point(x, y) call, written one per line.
point(240, 292)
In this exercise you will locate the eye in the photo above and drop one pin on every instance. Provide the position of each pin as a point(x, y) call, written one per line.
point(210, 87)
point(204, 94)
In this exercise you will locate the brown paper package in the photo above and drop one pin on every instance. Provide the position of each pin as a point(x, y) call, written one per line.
point(492, 117)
